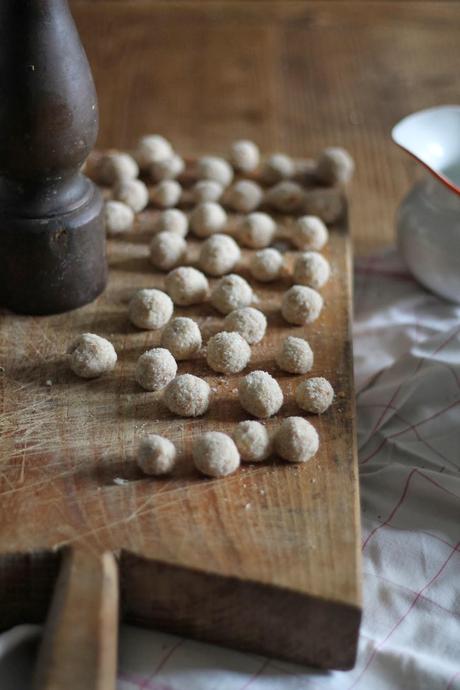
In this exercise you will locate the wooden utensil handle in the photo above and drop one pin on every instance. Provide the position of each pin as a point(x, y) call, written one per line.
point(79, 647)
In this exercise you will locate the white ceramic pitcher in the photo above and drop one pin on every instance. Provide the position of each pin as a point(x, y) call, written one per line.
point(428, 220)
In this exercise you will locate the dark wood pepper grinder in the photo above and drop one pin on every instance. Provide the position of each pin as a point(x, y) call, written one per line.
point(52, 243)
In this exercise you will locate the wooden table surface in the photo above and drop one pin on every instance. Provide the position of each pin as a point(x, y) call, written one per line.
point(294, 76)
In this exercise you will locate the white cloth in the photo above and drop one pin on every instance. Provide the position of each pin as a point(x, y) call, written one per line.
point(407, 362)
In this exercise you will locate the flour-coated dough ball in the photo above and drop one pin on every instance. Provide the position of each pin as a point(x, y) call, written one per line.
point(207, 190)
point(228, 353)
point(309, 232)
point(182, 337)
point(152, 148)
point(257, 230)
point(248, 322)
point(335, 166)
point(167, 250)
point(296, 440)
point(301, 305)
point(216, 169)
point(285, 197)
point(186, 285)
point(187, 396)
point(207, 219)
point(277, 167)
point(155, 369)
point(266, 265)
point(156, 455)
point(134, 193)
point(115, 166)
point(244, 196)
point(166, 193)
point(295, 355)
point(172, 220)
point(91, 356)
point(150, 309)
point(215, 454)
point(244, 155)
point(118, 217)
point(260, 394)
point(219, 254)
point(231, 292)
point(314, 395)
point(252, 441)
point(167, 169)
point(311, 269)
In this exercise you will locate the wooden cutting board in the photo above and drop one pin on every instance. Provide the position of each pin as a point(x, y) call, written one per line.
point(265, 560)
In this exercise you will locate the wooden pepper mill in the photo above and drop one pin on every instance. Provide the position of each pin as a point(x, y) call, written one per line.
point(52, 243)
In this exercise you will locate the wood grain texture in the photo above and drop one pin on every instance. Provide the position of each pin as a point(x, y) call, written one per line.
point(294, 76)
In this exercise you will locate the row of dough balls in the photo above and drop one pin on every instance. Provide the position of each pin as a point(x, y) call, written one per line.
point(216, 454)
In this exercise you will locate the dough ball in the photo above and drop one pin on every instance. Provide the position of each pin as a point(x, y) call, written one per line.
point(219, 254)
point(152, 148)
point(133, 193)
point(311, 269)
point(257, 230)
point(119, 217)
point(207, 190)
point(260, 394)
point(182, 337)
point(244, 155)
point(228, 353)
point(325, 204)
point(296, 440)
point(216, 169)
point(155, 369)
point(171, 220)
point(168, 168)
point(335, 166)
point(309, 232)
point(285, 197)
point(215, 454)
point(314, 395)
point(186, 285)
point(115, 166)
point(252, 441)
point(244, 196)
point(156, 455)
point(277, 167)
point(167, 249)
point(187, 396)
point(166, 193)
point(266, 265)
point(207, 219)
point(231, 292)
point(301, 305)
point(250, 323)
point(91, 356)
point(150, 309)
point(295, 355)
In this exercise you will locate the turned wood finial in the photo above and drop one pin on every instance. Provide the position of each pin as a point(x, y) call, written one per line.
point(52, 243)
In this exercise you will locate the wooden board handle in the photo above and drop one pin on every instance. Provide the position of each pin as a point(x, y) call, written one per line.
point(79, 647)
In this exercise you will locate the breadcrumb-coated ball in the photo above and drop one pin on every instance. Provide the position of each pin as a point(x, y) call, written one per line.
point(115, 166)
point(151, 149)
point(312, 269)
point(91, 356)
point(150, 309)
point(277, 167)
point(118, 217)
point(186, 285)
point(257, 230)
point(252, 441)
point(228, 353)
point(266, 265)
point(155, 369)
point(182, 337)
point(215, 454)
point(309, 232)
point(207, 219)
point(215, 168)
point(187, 396)
point(172, 220)
point(167, 169)
point(314, 395)
point(231, 292)
point(295, 355)
point(134, 193)
point(156, 455)
point(248, 322)
point(260, 394)
point(244, 155)
point(167, 250)
point(301, 305)
point(285, 197)
point(166, 193)
point(219, 254)
point(296, 440)
point(335, 166)
point(324, 203)
point(243, 196)
point(207, 190)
